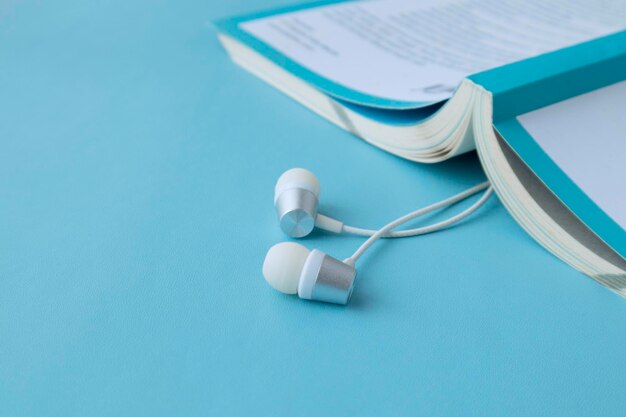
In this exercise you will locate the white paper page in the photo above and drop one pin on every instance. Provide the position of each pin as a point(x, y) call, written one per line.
point(586, 137)
point(415, 51)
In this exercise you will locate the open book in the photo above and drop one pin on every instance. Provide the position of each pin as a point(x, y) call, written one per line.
point(537, 88)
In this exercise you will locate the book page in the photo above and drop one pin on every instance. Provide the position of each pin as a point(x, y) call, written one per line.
point(418, 51)
point(586, 137)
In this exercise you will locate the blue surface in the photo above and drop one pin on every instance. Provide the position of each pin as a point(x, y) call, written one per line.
point(136, 177)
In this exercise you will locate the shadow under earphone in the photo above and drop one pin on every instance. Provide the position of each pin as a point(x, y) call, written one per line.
point(361, 300)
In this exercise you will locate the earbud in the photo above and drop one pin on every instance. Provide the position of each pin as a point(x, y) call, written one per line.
point(296, 197)
point(292, 269)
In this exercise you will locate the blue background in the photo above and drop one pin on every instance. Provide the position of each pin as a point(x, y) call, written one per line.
point(136, 174)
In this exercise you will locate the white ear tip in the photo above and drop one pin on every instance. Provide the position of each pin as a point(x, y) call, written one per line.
point(283, 266)
point(299, 175)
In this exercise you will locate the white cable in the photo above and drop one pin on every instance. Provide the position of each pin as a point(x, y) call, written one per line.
point(336, 226)
point(422, 230)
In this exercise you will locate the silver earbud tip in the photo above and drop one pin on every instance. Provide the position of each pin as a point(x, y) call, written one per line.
point(297, 223)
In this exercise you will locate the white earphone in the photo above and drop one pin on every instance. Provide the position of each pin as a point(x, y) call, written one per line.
point(292, 269)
